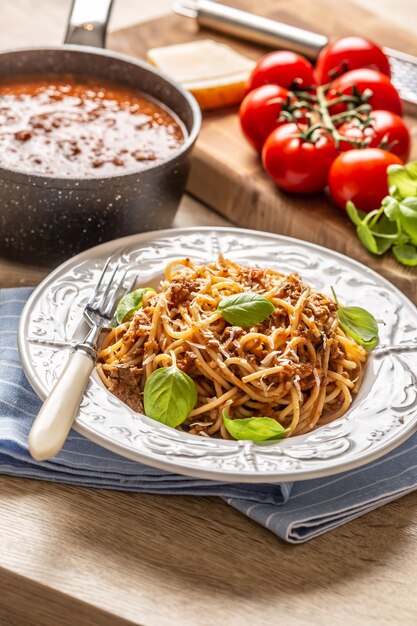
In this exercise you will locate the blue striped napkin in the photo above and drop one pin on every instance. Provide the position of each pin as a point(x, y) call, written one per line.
point(295, 512)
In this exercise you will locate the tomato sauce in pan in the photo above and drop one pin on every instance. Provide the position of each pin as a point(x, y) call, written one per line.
point(65, 127)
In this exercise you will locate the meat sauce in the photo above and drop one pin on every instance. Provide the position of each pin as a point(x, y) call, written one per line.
point(80, 128)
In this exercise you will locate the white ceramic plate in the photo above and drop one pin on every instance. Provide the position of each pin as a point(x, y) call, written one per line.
point(382, 416)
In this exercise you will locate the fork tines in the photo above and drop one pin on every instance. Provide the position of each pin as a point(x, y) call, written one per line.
point(113, 290)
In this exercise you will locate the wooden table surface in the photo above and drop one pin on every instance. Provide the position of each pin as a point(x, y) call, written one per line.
point(71, 555)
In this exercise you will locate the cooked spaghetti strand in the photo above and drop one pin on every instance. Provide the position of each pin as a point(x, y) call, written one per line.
point(297, 366)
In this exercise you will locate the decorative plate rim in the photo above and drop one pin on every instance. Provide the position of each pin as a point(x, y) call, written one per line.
point(327, 450)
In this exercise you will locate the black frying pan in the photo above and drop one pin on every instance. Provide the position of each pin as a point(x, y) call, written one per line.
point(44, 219)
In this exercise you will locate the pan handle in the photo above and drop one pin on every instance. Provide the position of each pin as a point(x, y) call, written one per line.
point(87, 22)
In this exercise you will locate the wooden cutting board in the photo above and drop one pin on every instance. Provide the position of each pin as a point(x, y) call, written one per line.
point(225, 172)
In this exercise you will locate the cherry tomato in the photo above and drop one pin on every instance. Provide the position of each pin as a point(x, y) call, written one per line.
point(361, 176)
point(388, 131)
point(282, 68)
point(384, 95)
point(259, 113)
point(391, 130)
point(296, 165)
point(352, 131)
point(349, 53)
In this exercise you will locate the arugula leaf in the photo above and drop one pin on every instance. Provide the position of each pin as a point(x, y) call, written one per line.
point(359, 324)
point(128, 305)
point(254, 428)
point(406, 254)
point(169, 396)
point(404, 179)
point(245, 309)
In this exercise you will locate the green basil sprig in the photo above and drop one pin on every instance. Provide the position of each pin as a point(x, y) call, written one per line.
point(402, 180)
point(169, 395)
point(245, 309)
point(254, 428)
point(359, 324)
point(394, 224)
point(408, 217)
point(130, 303)
point(405, 254)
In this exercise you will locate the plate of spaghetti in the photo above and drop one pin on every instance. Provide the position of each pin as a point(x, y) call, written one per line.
point(238, 355)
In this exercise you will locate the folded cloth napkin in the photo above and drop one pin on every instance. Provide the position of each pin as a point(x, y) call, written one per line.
point(295, 512)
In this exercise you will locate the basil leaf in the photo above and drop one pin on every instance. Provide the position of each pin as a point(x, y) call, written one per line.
point(245, 309)
point(370, 239)
point(130, 303)
point(388, 232)
point(391, 208)
point(406, 254)
point(383, 245)
point(410, 203)
point(404, 179)
point(411, 169)
point(394, 193)
point(169, 396)
point(254, 428)
point(384, 226)
point(359, 324)
point(367, 238)
point(397, 226)
point(355, 215)
point(408, 216)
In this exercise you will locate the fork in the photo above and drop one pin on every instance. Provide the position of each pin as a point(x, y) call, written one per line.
point(53, 422)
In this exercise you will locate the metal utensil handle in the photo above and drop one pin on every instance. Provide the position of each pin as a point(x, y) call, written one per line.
point(252, 27)
point(87, 22)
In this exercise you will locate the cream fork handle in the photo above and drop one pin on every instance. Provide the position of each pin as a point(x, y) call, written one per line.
point(53, 422)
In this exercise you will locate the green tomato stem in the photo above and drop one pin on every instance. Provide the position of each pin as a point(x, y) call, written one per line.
point(310, 105)
point(329, 120)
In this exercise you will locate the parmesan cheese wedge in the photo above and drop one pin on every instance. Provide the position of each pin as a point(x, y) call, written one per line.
point(214, 73)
